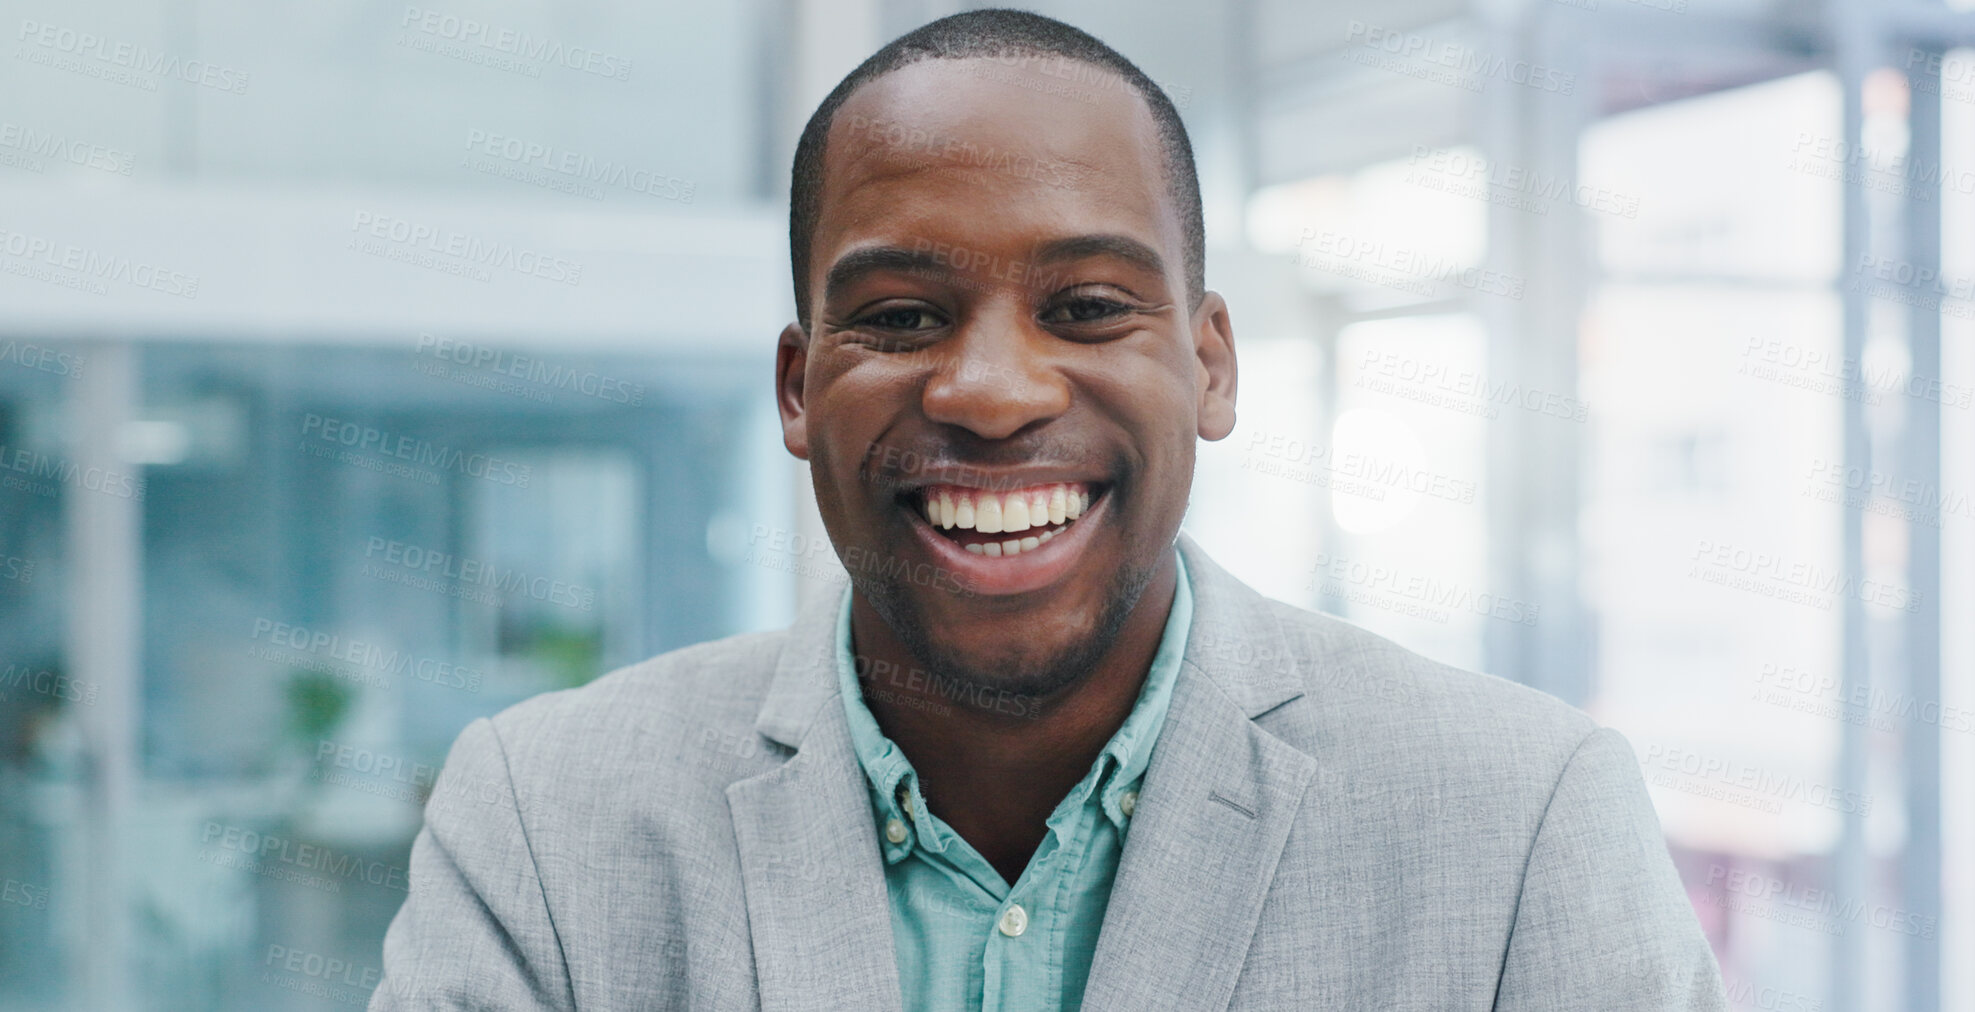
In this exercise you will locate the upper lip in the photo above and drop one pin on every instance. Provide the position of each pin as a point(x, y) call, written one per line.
point(997, 479)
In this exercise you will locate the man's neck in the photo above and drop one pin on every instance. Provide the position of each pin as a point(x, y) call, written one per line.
point(995, 772)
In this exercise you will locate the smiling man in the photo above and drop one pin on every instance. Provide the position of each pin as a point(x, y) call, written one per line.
point(1043, 753)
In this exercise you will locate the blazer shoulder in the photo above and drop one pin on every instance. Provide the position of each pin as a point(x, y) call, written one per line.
point(1363, 689)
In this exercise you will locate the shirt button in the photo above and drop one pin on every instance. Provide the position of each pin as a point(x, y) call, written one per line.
point(1128, 803)
point(895, 831)
point(1014, 920)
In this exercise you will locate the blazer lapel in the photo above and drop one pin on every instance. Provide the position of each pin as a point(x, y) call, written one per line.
point(810, 863)
point(1215, 811)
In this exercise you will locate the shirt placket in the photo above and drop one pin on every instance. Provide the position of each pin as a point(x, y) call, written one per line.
point(1023, 966)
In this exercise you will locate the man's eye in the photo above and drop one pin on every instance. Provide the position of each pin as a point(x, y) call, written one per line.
point(1084, 309)
point(901, 318)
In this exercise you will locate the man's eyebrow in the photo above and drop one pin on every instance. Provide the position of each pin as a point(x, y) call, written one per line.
point(1122, 247)
point(857, 263)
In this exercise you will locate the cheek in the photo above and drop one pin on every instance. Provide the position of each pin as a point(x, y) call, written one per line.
point(1151, 402)
point(855, 406)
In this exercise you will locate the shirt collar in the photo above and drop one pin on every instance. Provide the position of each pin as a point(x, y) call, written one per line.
point(1116, 771)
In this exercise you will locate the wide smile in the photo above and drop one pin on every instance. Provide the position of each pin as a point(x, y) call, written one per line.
point(1007, 542)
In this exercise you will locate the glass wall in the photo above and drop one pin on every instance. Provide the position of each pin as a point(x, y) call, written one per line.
point(348, 555)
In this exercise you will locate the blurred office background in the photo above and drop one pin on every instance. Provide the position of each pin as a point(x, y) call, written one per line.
point(366, 368)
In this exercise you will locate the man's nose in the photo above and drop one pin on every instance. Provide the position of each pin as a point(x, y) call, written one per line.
point(998, 380)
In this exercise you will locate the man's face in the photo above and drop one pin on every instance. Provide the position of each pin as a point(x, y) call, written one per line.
point(1002, 381)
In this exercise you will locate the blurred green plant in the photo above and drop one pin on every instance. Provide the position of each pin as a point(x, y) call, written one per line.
point(316, 704)
point(569, 654)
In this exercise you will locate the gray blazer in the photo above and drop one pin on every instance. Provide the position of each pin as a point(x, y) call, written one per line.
point(1329, 822)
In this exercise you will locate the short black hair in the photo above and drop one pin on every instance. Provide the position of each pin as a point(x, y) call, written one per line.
point(994, 32)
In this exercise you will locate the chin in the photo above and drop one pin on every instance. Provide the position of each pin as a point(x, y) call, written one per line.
point(1015, 652)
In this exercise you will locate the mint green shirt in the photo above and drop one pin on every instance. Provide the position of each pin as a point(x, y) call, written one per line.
point(965, 938)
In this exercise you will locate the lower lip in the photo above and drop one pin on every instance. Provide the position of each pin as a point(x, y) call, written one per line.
point(1033, 569)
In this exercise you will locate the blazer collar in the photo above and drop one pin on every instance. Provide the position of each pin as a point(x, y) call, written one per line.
point(1236, 639)
point(806, 673)
point(814, 879)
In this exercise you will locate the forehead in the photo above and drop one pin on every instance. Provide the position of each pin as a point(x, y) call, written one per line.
point(988, 151)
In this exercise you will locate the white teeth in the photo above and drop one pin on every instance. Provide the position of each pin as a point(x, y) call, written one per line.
point(987, 516)
point(1028, 509)
point(1015, 514)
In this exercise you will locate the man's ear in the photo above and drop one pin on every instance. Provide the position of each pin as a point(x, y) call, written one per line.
point(791, 360)
point(1213, 350)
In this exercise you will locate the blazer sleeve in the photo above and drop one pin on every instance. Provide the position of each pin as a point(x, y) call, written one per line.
point(1603, 922)
point(475, 930)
